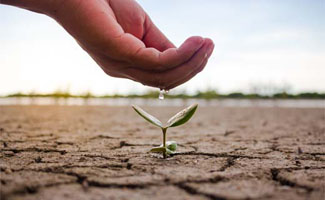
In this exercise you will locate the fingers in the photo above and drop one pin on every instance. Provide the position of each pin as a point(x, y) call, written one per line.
point(153, 60)
point(192, 67)
point(154, 37)
point(174, 57)
point(192, 74)
point(175, 76)
point(142, 44)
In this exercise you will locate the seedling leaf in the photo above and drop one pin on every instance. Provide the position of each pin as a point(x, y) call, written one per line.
point(171, 145)
point(147, 116)
point(182, 117)
point(169, 152)
point(158, 150)
point(161, 150)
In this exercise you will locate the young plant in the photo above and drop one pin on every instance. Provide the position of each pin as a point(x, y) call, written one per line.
point(167, 147)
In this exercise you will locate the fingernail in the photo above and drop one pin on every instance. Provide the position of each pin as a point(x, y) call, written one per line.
point(210, 49)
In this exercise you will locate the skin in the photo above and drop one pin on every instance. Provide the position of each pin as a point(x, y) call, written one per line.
point(120, 36)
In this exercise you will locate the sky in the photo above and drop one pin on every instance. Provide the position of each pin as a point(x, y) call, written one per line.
point(258, 43)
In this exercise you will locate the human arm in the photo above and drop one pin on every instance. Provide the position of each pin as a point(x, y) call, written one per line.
point(123, 40)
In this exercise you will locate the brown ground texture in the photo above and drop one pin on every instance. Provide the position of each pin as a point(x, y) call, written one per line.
point(72, 152)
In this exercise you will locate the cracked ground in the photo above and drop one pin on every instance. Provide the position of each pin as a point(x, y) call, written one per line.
point(80, 152)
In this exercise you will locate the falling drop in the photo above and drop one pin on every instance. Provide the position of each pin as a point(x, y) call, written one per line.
point(161, 94)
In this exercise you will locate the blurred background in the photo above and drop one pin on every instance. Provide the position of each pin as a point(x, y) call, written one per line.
point(261, 47)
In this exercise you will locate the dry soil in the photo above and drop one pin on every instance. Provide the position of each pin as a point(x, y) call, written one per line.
point(80, 152)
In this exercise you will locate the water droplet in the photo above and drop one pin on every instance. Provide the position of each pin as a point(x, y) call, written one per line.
point(161, 94)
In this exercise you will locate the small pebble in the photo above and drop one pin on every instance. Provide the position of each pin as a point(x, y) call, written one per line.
point(298, 162)
point(5, 144)
point(38, 159)
point(122, 143)
point(129, 166)
point(8, 171)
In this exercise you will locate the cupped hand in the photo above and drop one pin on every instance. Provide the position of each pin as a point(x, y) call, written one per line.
point(122, 39)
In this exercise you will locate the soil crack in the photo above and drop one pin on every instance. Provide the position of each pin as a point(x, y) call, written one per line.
point(193, 191)
point(32, 189)
point(230, 162)
point(125, 144)
point(217, 155)
point(35, 149)
point(283, 181)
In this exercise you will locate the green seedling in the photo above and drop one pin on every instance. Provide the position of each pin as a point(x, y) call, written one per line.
point(167, 147)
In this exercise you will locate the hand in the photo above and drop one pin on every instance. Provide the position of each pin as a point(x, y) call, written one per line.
point(122, 39)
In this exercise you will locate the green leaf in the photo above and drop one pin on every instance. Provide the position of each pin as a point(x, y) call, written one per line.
point(161, 150)
point(169, 152)
point(147, 116)
point(158, 150)
point(182, 117)
point(171, 145)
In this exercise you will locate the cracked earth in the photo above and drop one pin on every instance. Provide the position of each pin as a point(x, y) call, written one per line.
point(72, 152)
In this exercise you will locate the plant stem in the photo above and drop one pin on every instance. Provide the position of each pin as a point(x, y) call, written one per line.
point(164, 141)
